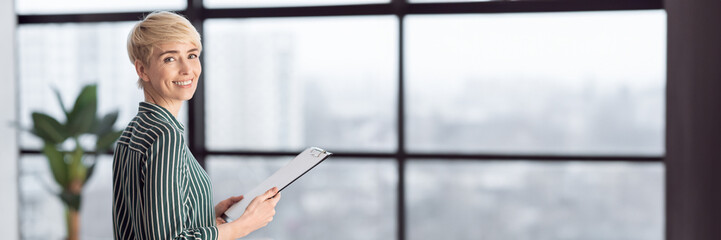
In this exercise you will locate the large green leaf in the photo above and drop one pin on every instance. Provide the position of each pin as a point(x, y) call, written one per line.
point(105, 124)
point(56, 160)
point(60, 101)
point(82, 118)
point(49, 129)
point(105, 141)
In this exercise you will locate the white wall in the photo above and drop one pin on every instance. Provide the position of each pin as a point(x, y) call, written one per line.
point(8, 143)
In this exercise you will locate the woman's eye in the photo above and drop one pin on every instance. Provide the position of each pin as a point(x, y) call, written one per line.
point(193, 56)
point(169, 59)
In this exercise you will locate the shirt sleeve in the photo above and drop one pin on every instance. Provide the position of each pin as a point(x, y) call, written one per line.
point(165, 214)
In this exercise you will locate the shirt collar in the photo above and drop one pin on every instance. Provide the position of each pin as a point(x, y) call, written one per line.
point(162, 112)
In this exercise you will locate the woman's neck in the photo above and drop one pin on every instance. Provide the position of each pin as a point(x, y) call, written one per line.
point(172, 106)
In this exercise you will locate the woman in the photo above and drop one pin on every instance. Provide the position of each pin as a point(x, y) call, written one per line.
point(159, 189)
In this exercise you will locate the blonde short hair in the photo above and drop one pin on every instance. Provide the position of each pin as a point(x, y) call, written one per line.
point(157, 28)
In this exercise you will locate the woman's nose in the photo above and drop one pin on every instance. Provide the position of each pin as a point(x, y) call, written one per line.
point(185, 67)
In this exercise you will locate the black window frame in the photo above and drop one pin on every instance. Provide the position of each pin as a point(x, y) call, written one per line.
point(197, 13)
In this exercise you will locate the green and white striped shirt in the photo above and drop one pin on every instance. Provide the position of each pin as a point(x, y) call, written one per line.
point(159, 189)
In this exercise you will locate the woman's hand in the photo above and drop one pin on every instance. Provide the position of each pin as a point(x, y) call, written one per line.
point(258, 214)
point(223, 206)
point(260, 211)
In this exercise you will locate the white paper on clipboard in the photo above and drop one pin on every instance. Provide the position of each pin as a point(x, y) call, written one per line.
point(301, 164)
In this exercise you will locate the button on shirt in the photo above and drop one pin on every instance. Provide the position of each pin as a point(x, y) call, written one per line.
point(159, 189)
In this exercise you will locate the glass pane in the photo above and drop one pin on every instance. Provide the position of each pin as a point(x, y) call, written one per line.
point(531, 200)
point(342, 198)
point(284, 84)
point(586, 83)
point(69, 56)
point(280, 3)
point(94, 6)
point(42, 214)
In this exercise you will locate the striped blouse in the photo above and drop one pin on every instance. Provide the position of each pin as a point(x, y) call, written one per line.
point(159, 189)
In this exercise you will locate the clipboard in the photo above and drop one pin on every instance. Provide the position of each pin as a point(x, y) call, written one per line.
point(296, 168)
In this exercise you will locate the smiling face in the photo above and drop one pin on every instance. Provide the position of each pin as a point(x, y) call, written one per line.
point(171, 75)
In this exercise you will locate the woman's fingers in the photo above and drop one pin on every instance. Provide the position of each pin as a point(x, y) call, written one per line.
point(267, 195)
point(261, 210)
point(270, 193)
point(222, 206)
point(259, 200)
point(275, 199)
point(236, 199)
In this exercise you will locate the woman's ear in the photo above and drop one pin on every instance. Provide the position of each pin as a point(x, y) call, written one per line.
point(140, 69)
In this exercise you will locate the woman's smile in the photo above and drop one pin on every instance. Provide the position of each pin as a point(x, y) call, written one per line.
point(184, 84)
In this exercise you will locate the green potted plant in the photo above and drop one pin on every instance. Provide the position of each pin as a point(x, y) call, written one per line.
point(71, 167)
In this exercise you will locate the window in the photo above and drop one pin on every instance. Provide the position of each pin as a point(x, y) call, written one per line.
point(91, 6)
point(576, 83)
point(524, 119)
point(43, 215)
point(289, 83)
point(68, 56)
point(280, 3)
point(340, 205)
point(532, 200)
